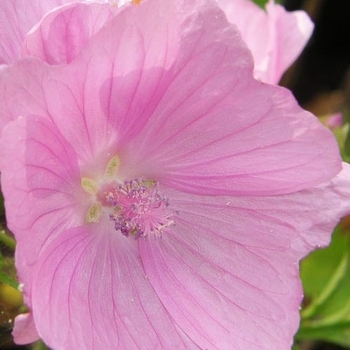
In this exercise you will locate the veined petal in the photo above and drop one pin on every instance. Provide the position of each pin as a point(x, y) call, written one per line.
point(91, 292)
point(110, 91)
point(125, 66)
point(275, 37)
point(41, 185)
point(17, 17)
point(228, 270)
point(21, 91)
point(63, 33)
point(165, 118)
point(147, 108)
point(224, 294)
point(199, 138)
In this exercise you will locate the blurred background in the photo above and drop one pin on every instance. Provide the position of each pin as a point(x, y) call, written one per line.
point(320, 81)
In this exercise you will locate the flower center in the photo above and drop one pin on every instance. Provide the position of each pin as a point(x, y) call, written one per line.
point(135, 207)
point(138, 208)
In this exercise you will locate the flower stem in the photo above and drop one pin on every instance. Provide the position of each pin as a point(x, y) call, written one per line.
point(8, 241)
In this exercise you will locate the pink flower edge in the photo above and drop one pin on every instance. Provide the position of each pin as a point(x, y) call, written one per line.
point(274, 36)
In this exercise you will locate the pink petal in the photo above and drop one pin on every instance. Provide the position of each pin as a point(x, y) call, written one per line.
point(334, 121)
point(290, 31)
point(104, 89)
point(21, 91)
point(25, 331)
point(63, 33)
point(91, 292)
point(218, 131)
point(41, 183)
point(275, 37)
point(126, 66)
point(227, 272)
point(155, 96)
point(17, 17)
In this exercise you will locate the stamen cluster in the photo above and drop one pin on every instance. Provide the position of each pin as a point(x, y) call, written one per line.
point(138, 208)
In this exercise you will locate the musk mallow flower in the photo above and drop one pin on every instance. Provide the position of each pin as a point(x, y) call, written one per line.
point(275, 37)
point(161, 197)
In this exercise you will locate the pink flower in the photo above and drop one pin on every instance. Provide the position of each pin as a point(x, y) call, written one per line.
point(160, 196)
point(334, 121)
point(275, 37)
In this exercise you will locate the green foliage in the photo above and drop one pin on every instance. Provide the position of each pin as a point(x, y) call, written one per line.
point(7, 268)
point(4, 278)
point(262, 3)
point(6, 241)
point(326, 278)
point(7, 271)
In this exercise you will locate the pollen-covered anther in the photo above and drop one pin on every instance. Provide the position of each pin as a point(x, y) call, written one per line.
point(90, 186)
point(112, 168)
point(139, 209)
point(94, 213)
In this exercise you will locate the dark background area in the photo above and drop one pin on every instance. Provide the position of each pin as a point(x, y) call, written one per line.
point(320, 79)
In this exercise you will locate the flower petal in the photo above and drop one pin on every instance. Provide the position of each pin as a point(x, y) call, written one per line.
point(24, 331)
point(40, 181)
point(63, 33)
point(275, 37)
point(124, 66)
point(104, 93)
point(217, 131)
point(17, 17)
point(91, 292)
point(228, 270)
point(289, 33)
point(21, 91)
point(198, 147)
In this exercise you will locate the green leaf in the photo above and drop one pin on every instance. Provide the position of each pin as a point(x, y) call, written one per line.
point(8, 280)
point(39, 345)
point(7, 240)
point(262, 3)
point(7, 271)
point(325, 276)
